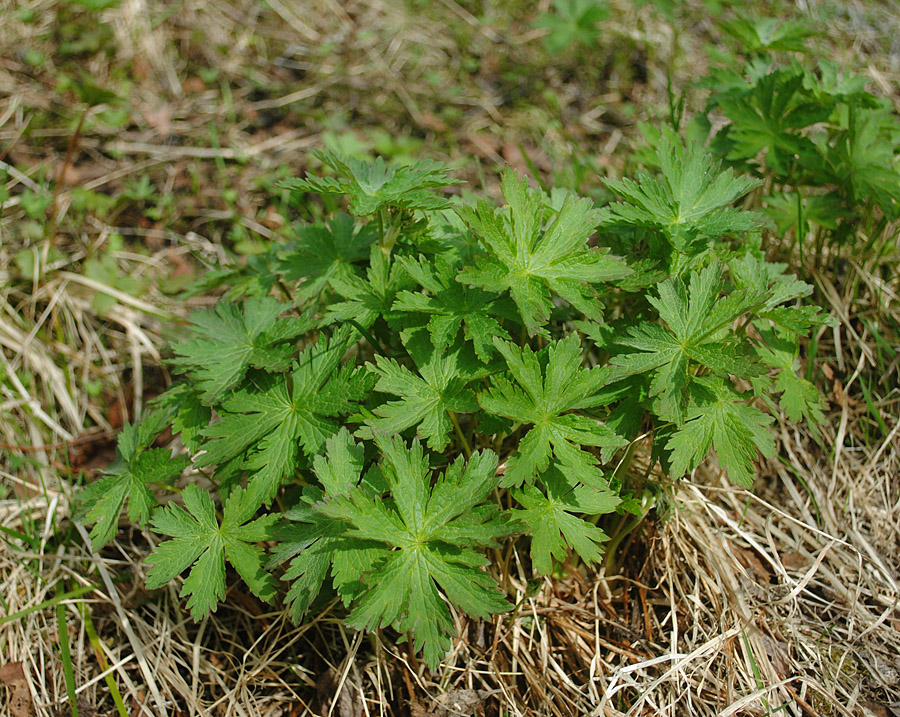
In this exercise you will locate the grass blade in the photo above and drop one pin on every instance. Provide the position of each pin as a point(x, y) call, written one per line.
point(65, 655)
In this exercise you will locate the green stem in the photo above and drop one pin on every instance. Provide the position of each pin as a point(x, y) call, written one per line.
point(459, 434)
point(368, 337)
point(621, 470)
point(50, 230)
point(611, 549)
point(284, 290)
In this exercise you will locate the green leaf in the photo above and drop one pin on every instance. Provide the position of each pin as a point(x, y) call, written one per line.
point(451, 305)
point(96, 5)
point(104, 269)
point(278, 415)
point(829, 82)
point(699, 321)
point(719, 418)
point(427, 399)
point(769, 118)
point(767, 34)
point(203, 545)
point(574, 22)
point(233, 337)
point(317, 542)
point(771, 282)
point(324, 252)
point(799, 398)
point(432, 533)
point(553, 526)
point(91, 93)
point(690, 202)
point(531, 261)
point(189, 415)
point(542, 399)
point(824, 210)
point(256, 276)
point(368, 299)
point(129, 477)
point(864, 158)
point(372, 186)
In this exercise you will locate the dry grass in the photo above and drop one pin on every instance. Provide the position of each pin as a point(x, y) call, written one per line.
point(738, 603)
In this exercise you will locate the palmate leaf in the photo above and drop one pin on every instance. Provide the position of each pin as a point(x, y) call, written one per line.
point(279, 415)
point(829, 82)
point(432, 533)
point(543, 400)
point(427, 399)
point(775, 287)
point(575, 21)
point(698, 319)
point(720, 418)
point(767, 279)
point(365, 300)
point(256, 276)
point(553, 526)
point(315, 542)
point(824, 210)
point(451, 305)
point(864, 158)
point(769, 34)
point(202, 544)
point(531, 261)
point(189, 415)
point(372, 186)
point(137, 468)
point(234, 337)
point(799, 398)
point(769, 118)
point(324, 252)
point(689, 203)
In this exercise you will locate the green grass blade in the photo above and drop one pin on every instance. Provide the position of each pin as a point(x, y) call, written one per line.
point(65, 655)
point(77, 592)
point(101, 658)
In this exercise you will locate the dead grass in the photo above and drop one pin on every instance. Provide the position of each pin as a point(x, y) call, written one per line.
point(737, 603)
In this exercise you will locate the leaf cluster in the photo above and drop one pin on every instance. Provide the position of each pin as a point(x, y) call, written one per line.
point(573, 23)
point(444, 378)
point(830, 146)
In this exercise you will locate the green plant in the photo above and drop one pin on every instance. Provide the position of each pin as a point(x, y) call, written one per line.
point(827, 148)
point(438, 379)
point(574, 23)
point(767, 34)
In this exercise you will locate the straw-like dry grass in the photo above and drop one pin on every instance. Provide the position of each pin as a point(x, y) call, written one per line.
point(784, 600)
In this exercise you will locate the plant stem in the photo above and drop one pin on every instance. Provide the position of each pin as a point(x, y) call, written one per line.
point(608, 561)
point(467, 449)
point(368, 337)
point(73, 140)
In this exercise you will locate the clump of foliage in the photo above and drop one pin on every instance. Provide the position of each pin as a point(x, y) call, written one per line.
point(828, 149)
point(436, 379)
point(573, 23)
